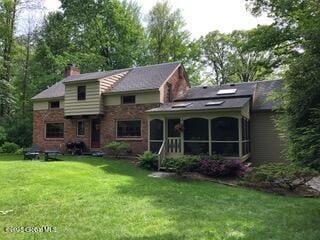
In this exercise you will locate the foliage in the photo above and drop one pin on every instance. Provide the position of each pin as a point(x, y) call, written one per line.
point(19, 151)
point(281, 175)
point(19, 130)
point(230, 58)
point(9, 147)
point(148, 160)
point(183, 164)
point(3, 135)
point(298, 25)
point(166, 38)
point(117, 147)
point(217, 167)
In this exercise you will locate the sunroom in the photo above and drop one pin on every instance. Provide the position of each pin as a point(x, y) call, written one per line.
point(205, 127)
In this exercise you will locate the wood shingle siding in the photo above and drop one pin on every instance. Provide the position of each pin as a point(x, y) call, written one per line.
point(90, 106)
point(266, 144)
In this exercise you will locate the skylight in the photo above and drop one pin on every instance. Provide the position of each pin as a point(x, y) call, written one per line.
point(181, 105)
point(227, 91)
point(213, 103)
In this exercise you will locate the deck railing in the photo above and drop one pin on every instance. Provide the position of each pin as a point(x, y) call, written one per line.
point(174, 145)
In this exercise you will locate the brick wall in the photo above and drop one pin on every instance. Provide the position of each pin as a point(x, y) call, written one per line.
point(41, 117)
point(129, 112)
point(178, 84)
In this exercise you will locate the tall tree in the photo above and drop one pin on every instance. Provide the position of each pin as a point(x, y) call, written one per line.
point(230, 58)
point(168, 41)
point(300, 107)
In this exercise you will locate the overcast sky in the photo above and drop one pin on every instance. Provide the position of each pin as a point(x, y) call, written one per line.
point(203, 16)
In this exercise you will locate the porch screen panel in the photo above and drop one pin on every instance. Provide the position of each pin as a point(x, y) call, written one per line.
point(245, 136)
point(156, 135)
point(225, 136)
point(196, 136)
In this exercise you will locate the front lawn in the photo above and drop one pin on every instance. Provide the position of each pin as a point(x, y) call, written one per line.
point(95, 198)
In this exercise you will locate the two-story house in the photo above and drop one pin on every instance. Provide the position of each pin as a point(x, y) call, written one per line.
point(153, 107)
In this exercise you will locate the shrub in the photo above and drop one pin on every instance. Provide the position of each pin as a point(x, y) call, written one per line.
point(183, 164)
point(148, 160)
point(19, 151)
point(117, 147)
point(3, 135)
point(282, 175)
point(217, 167)
point(9, 147)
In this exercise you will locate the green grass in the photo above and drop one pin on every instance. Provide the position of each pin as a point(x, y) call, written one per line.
point(94, 198)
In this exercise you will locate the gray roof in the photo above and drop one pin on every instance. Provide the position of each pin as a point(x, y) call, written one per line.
point(210, 92)
point(227, 103)
point(145, 78)
point(55, 91)
point(92, 76)
point(261, 100)
point(258, 91)
point(139, 78)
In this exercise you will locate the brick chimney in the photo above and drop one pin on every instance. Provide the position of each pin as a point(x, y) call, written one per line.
point(71, 70)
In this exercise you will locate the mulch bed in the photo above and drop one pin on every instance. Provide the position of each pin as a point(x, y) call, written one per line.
point(301, 191)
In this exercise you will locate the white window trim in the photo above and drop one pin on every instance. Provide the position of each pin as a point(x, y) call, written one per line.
point(81, 135)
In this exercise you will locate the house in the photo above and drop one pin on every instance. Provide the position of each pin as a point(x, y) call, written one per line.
point(153, 107)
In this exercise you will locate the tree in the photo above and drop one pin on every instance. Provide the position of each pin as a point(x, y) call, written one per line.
point(230, 58)
point(300, 20)
point(167, 41)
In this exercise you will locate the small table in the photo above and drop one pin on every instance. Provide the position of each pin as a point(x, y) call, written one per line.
point(51, 155)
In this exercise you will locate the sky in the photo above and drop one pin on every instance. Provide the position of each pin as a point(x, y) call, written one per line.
point(203, 16)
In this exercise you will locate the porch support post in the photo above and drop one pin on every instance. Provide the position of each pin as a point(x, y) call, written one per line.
point(240, 135)
point(165, 133)
point(182, 137)
point(210, 137)
point(149, 133)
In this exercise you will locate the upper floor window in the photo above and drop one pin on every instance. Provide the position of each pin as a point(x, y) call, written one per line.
point(128, 99)
point(55, 104)
point(81, 92)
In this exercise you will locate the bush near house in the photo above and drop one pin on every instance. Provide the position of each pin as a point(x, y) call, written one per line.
point(283, 175)
point(217, 167)
point(148, 160)
point(9, 147)
point(117, 148)
point(186, 163)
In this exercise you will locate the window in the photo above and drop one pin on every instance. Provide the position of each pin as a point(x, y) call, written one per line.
point(181, 105)
point(129, 129)
point(208, 104)
point(54, 130)
point(81, 92)
point(128, 99)
point(156, 135)
point(80, 128)
point(55, 104)
point(227, 91)
point(225, 136)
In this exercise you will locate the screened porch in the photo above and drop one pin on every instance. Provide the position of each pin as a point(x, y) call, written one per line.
point(200, 134)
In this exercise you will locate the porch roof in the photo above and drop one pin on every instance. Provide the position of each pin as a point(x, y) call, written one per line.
point(227, 103)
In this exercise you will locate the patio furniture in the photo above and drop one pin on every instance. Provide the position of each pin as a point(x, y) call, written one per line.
point(76, 147)
point(52, 154)
point(31, 153)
